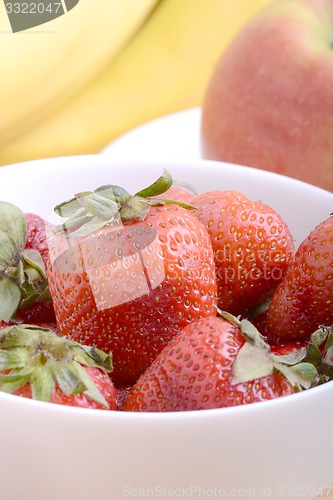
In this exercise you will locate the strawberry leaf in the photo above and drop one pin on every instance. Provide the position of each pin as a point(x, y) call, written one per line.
point(12, 359)
point(74, 222)
point(251, 362)
point(91, 388)
point(42, 383)
point(68, 379)
point(99, 206)
point(166, 201)
point(301, 376)
point(89, 227)
point(110, 204)
point(136, 208)
point(229, 317)
point(15, 376)
point(320, 336)
point(161, 185)
point(254, 360)
point(22, 271)
point(92, 356)
point(320, 352)
point(33, 259)
point(329, 346)
point(13, 224)
point(114, 193)
point(67, 208)
point(14, 337)
point(14, 381)
point(250, 332)
point(292, 358)
point(10, 299)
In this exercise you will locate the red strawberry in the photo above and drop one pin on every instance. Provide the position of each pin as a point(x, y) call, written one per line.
point(36, 363)
point(304, 299)
point(288, 347)
point(36, 238)
point(37, 313)
point(122, 393)
point(210, 365)
point(277, 345)
point(130, 285)
point(178, 193)
point(252, 247)
point(260, 322)
point(22, 271)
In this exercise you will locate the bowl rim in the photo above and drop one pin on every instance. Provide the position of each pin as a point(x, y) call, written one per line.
point(257, 408)
point(103, 159)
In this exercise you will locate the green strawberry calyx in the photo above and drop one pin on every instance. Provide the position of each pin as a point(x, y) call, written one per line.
point(255, 360)
point(39, 357)
point(22, 271)
point(111, 205)
point(320, 353)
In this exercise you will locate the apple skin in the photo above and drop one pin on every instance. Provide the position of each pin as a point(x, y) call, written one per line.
point(269, 103)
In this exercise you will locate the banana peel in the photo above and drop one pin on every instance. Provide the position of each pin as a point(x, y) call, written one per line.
point(164, 68)
point(45, 67)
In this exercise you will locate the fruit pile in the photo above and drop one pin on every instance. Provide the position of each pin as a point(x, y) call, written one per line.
point(162, 301)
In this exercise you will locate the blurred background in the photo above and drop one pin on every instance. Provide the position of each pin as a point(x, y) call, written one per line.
point(76, 83)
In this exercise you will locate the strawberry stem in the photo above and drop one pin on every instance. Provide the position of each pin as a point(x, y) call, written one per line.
point(162, 184)
point(111, 205)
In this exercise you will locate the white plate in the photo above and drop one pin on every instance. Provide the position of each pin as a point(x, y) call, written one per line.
point(172, 136)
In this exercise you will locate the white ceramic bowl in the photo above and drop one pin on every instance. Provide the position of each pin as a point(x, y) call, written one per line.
point(277, 449)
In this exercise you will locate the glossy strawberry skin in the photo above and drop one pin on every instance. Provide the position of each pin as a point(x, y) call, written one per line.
point(252, 247)
point(122, 393)
point(304, 299)
point(81, 400)
point(113, 308)
point(36, 239)
point(37, 229)
point(278, 345)
point(177, 193)
point(194, 372)
point(37, 313)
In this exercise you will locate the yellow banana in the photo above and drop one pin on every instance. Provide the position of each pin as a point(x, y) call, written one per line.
point(45, 67)
point(163, 69)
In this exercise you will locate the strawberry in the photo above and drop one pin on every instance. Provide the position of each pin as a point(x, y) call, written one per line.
point(288, 347)
point(278, 345)
point(215, 363)
point(37, 313)
point(260, 322)
point(122, 393)
point(129, 278)
point(22, 272)
point(252, 247)
point(36, 363)
point(36, 237)
point(304, 301)
point(178, 193)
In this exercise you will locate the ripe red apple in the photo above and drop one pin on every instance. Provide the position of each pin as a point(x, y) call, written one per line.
point(269, 103)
